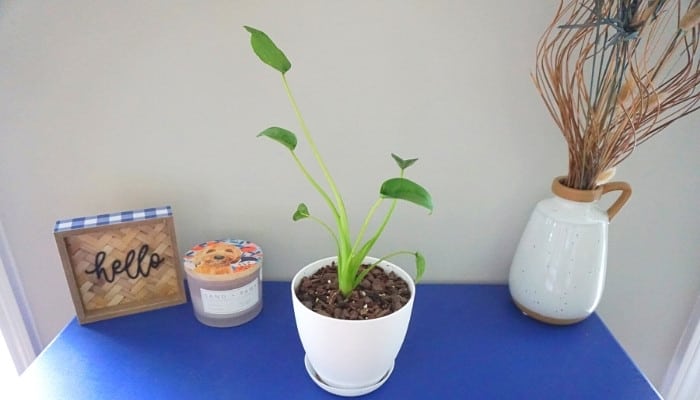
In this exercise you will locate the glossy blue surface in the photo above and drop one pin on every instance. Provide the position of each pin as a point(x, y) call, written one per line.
point(464, 341)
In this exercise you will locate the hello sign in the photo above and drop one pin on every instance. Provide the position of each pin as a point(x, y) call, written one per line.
point(122, 263)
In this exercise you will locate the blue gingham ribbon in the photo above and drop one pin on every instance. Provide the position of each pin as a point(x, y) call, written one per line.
point(115, 218)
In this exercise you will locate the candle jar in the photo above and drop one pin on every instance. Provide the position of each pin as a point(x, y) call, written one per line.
point(225, 281)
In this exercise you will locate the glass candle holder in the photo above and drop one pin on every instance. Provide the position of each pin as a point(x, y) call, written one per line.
point(225, 281)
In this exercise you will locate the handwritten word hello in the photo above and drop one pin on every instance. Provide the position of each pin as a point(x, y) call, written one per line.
point(118, 267)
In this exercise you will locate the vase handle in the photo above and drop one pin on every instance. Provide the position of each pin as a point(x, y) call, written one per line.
point(626, 190)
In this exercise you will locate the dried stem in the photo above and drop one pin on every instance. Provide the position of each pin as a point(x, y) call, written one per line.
point(615, 73)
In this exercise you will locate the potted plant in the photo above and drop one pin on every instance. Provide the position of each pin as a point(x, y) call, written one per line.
point(352, 310)
point(612, 74)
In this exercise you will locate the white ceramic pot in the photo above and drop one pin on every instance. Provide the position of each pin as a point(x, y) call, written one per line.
point(337, 350)
point(558, 271)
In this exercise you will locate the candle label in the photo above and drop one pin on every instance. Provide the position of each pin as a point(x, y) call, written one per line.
point(232, 301)
point(223, 257)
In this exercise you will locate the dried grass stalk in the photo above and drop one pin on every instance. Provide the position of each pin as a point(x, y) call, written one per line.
point(614, 73)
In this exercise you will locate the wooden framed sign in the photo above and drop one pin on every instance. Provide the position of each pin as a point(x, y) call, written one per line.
point(122, 263)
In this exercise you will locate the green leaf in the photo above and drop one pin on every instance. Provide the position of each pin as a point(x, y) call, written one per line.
point(403, 164)
point(287, 138)
point(268, 52)
point(301, 212)
point(420, 266)
point(405, 189)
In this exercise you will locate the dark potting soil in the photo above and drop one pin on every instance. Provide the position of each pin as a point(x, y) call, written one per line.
point(379, 294)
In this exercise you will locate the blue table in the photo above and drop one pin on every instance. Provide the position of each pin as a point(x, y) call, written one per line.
point(464, 341)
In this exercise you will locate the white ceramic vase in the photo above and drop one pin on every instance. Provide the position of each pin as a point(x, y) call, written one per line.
point(337, 350)
point(558, 271)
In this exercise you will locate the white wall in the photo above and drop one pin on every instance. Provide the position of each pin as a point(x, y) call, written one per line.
point(107, 106)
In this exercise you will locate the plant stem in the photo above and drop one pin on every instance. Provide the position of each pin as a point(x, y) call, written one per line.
point(341, 213)
point(369, 218)
point(394, 254)
point(323, 224)
point(315, 185)
point(386, 220)
point(364, 273)
point(366, 223)
point(388, 216)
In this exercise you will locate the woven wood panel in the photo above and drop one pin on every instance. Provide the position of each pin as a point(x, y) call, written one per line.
point(122, 269)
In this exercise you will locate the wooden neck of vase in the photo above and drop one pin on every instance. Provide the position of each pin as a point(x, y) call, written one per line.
point(582, 196)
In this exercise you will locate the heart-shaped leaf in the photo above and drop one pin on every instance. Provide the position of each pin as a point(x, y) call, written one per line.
point(287, 138)
point(403, 164)
point(301, 212)
point(405, 189)
point(268, 52)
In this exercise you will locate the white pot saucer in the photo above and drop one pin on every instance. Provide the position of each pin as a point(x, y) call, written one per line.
point(344, 391)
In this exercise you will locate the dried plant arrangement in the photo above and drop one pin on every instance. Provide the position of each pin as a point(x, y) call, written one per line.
point(614, 73)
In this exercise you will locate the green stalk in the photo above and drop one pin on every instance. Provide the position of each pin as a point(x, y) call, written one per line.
point(360, 277)
point(359, 255)
point(385, 222)
point(366, 223)
point(341, 213)
point(323, 224)
point(387, 217)
point(314, 149)
point(370, 243)
point(315, 185)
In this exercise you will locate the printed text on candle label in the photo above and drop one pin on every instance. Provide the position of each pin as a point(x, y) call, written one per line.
point(230, 301)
